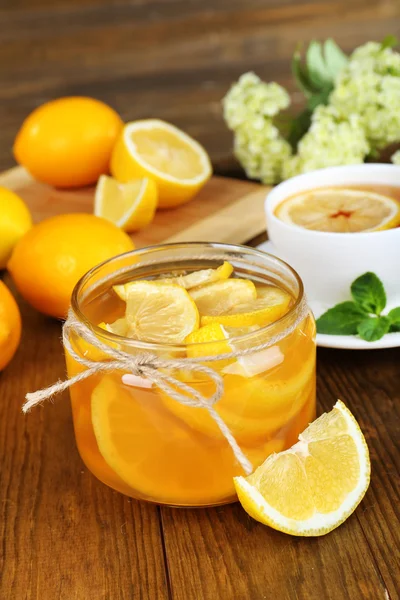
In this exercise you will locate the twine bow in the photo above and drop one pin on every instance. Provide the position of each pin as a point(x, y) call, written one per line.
point(152, 368)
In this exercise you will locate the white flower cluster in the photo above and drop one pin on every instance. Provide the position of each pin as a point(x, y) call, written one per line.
point(369, 86)
point(249, 108)
point(331, 140)
point(361, 118)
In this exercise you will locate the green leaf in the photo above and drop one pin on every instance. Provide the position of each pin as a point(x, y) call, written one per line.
point(301, 75)
point(394, 316)
point(368, 291)
point(335, 58)
point(342, 319)
point(300, 125)
point(316, 67)
point(320, 98)
point(373, 328)
point(390, 41)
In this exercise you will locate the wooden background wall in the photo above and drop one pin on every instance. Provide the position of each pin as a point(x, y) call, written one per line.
point(172, 59)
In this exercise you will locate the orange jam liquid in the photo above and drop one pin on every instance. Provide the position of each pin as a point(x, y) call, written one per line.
point(147, 445)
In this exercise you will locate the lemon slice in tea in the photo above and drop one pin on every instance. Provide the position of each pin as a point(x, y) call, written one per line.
point(340, 210)
point(314, 486)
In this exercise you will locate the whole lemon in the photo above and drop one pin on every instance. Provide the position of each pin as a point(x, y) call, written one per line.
point(15, 221)
point(10, 326)
point(50, 259)
point(68, 142)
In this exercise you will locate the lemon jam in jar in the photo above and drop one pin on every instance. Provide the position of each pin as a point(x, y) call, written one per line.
point(183, 302)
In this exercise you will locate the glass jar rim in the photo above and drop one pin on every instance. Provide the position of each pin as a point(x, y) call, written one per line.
point(283, 322)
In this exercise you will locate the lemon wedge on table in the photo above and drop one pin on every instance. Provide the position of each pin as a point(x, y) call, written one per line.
point(130, 206)
point(340, 210)
point(158, 312)
point(269, 305)
point(314, 486)
point(153, 148)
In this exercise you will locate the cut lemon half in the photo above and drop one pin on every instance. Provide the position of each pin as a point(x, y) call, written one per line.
point(270, 305)
point(220, 297)
point(160, 312)
point(340, 210)
point(130, 206)
point(156, 149)
point(314, 486)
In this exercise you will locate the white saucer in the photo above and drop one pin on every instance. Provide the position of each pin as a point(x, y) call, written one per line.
point(345, 342)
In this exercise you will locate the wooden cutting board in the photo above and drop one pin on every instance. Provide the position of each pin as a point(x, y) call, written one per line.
point(226, 210)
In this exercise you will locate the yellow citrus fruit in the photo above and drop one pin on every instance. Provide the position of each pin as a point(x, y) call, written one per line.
point(314, 486)
point(340, 210)
point(131, 206)
point(153, 148)
point(10, 326)
point(188, 281)
point(50, 259)
point(220, 297)
point(159, 312)
point(269, 306)
point(68, 142)
point(15, 221)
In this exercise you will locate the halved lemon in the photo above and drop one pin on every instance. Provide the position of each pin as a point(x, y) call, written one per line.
point(130, 206)
point(270, 305)
point(220, 297)
point(160, 312)
point(153, 148)
point(314, 486)
point(340, 210)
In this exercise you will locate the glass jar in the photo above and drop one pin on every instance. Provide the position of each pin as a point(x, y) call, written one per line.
point(143, 443)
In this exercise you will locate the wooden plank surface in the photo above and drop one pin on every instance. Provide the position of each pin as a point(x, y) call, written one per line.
point(66, 536)
point(216, 213)
point(172, 59)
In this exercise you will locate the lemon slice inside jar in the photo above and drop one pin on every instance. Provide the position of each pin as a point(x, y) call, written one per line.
point(191, 280)
point(156, 312)
point(220, 297)
point(269, 305)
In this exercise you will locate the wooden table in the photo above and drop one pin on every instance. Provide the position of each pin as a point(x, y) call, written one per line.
point(66, 536)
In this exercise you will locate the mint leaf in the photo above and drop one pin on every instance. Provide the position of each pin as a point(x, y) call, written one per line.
point(316, 65)
point(335, 58)
point(394, 316)
point(342, 319)
point(368, 291)
point(373, 328)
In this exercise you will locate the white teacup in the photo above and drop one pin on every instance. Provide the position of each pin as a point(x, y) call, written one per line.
point(329, 262)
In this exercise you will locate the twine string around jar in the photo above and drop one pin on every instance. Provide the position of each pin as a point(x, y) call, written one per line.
point(153, 368)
